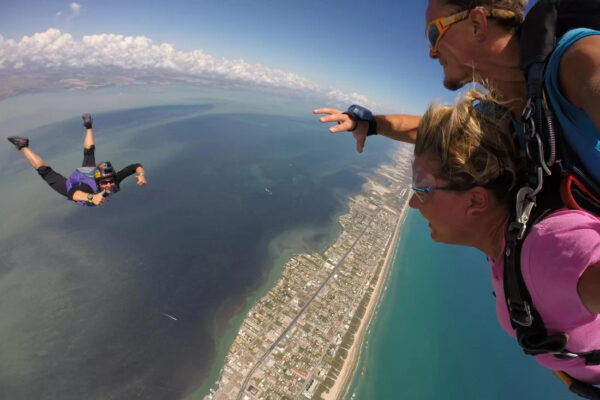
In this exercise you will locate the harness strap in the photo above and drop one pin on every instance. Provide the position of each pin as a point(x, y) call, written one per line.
point(581, 389)
point(524, 318)
point(576, 195)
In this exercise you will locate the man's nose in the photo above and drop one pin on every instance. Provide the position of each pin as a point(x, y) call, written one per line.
point(433, 54)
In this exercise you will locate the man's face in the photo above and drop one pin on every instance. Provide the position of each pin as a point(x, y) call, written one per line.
point(107, 185)
point(454, 47)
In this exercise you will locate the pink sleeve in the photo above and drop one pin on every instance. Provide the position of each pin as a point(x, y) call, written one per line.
point(555, 254)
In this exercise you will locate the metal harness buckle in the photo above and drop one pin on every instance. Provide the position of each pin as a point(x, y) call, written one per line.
point(520, 313)
point(524, 205)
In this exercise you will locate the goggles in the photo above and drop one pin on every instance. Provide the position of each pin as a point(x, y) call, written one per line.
point(438, 27)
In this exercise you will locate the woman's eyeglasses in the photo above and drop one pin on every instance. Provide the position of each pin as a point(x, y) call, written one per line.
point(423, 184)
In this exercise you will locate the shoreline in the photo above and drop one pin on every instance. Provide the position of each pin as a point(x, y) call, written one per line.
point(350, 363)
point(314, 320)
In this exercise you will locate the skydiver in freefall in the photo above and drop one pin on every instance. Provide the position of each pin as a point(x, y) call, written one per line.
point(88, 185)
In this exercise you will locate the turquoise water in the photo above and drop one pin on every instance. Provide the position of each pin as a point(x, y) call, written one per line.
point(435, 334)
point(82, 291)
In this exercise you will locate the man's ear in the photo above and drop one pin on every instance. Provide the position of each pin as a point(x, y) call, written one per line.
point(479, 23)
point(479, 201)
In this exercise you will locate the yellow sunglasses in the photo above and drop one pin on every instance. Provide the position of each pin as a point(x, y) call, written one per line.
point(438, 27)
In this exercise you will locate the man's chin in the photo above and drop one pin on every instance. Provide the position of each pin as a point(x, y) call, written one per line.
point(453, 84)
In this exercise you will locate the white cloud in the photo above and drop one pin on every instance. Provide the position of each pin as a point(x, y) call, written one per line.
point(76, 8)
point(58, 14)
point(56, 59)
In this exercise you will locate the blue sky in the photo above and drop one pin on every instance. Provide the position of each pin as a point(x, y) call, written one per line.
point(376, 49)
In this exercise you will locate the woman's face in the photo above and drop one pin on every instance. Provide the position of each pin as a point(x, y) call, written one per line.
point(444, 209)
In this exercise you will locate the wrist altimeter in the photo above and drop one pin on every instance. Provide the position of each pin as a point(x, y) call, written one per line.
point(90, 198)
point(360, 113)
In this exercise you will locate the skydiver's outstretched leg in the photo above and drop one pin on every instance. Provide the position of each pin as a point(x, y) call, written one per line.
point(89, 158)
point(88, 142)
point(22, 144)
point(52, 178)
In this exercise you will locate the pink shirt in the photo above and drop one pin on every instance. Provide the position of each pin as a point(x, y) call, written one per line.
point(555, 254)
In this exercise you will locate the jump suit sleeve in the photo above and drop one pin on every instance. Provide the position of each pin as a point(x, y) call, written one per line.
point(81, 187)
point(125, 172)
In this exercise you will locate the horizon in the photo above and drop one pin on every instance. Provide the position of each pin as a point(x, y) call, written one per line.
point(376, 56)
point(311, 50)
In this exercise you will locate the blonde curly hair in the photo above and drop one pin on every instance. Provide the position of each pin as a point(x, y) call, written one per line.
point(473, 143)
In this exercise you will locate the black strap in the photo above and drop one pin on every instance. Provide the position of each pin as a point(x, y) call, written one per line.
point(585, 390)
point(524, 318)
point(547, 20)
point(531, 333)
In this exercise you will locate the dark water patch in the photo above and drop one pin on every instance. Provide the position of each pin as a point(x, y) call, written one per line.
point(96, 283)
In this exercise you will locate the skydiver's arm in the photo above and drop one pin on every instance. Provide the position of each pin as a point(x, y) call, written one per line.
point(127, 171)
point(83, 191)
point(80, 195)
point(580, 76)
point(400, 127)
point(588, 288)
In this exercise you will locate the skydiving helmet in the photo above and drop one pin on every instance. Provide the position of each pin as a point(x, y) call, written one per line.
point(104, 170)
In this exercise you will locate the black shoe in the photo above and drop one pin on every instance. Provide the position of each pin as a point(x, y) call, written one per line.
point(19, 142)
point(87, 121)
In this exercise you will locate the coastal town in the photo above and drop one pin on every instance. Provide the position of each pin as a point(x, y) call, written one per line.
point(302, 339)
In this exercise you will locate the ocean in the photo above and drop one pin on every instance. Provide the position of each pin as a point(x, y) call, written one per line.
point(435, 333)
point(141, 298)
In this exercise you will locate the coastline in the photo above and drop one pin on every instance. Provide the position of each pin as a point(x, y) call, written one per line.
point(349, 366)
point(304, 337)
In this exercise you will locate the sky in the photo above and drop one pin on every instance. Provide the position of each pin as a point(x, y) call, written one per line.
point(335, 52)
point(372, 53)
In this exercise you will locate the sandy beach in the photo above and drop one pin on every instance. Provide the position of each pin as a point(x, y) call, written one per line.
point(345, 375)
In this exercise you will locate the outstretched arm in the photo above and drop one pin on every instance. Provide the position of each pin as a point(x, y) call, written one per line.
point(400, 127)
point(588, 288)
point(130, 170)
point(580, 76)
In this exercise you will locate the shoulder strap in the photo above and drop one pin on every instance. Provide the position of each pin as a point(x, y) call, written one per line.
point(577, 14)
point(549, 19)
point(545, 144)
point(538, 36)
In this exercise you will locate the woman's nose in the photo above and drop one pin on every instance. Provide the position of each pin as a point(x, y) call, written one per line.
point(414, 202)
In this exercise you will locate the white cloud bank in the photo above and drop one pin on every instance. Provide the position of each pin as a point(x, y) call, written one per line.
point(53, 59)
